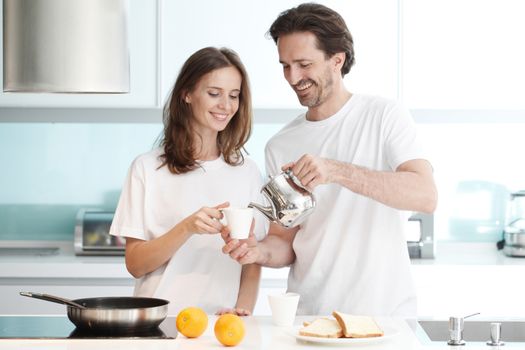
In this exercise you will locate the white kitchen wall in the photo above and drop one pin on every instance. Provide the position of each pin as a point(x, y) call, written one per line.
point(50, 170)
point(463, 54)
point(242, 25)
point(476, 166)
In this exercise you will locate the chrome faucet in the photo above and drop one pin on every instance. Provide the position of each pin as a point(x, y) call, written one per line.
point(455, 327)
point(495, 335)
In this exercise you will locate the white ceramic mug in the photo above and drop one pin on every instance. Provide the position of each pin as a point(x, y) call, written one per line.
point(239, 220)
point(284, 308)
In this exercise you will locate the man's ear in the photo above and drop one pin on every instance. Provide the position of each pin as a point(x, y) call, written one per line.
point(339, 60)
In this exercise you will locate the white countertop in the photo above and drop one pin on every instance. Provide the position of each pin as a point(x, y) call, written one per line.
point(260, 334)
point(469, 253)
point(66, 264)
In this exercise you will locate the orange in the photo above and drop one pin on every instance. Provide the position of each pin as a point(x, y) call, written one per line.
point(229, 329)
point(192, 322)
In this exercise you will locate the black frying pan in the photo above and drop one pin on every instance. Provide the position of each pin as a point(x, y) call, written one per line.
point(118, 313)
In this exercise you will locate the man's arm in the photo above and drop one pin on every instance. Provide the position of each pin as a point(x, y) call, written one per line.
point(410, 187)
point(275, 250)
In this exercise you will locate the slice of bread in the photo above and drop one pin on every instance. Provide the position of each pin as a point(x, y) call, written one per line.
point(357, 326)
point(322, 328)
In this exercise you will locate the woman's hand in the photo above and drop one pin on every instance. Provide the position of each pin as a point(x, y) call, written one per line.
point(236, 311)
point(205, 220)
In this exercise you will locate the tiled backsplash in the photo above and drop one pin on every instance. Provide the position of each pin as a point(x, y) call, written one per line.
point(50, 170)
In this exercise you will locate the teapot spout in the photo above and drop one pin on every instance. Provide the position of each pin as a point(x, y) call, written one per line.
point(266, 211)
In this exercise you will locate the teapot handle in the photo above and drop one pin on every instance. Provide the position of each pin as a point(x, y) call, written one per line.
point(294, 179)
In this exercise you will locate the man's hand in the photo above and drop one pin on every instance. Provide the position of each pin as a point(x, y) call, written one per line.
point(312, 171)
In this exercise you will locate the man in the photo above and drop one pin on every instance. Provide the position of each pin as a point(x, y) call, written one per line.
point(361, 158)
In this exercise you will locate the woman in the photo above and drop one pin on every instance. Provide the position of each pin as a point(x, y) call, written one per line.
point(169, 209)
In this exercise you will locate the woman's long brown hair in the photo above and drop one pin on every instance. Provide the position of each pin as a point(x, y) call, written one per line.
point(179, 138)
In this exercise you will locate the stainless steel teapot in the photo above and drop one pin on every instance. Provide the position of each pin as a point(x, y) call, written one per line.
point(290, 202)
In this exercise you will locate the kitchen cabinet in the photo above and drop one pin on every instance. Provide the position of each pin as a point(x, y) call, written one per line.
point(466, 278)
point(142, 36)
point(449, 288)
point(14, 304)
point(163, 35)
point(457, 290)
point(463, 279)
point(62, 274)
point(70, 276)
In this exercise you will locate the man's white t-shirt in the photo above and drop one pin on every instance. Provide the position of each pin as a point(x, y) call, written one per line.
point(351, 252)
point(153, 200)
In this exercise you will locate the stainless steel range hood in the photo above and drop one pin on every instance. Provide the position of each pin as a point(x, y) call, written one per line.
point(70, 46)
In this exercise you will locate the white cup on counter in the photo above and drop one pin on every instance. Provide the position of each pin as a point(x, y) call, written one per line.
point(284, 308)
point(239, 220)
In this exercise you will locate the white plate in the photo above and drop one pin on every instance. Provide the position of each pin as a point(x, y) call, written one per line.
point(388, 334)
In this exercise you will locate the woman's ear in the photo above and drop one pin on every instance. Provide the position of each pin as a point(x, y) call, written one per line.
point(186, 96)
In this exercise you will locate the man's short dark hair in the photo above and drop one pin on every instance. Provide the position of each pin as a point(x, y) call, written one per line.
point(327, 25)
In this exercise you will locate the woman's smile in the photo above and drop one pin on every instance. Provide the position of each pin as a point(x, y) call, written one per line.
point(220, 116)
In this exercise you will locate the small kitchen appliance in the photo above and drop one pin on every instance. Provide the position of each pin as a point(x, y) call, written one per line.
point(513, 243)
point(92, 234)
point(420, 236)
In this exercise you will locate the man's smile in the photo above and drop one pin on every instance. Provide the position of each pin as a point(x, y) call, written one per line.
point(303, 85)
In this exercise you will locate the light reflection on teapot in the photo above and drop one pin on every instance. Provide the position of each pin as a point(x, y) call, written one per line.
point(290, 203)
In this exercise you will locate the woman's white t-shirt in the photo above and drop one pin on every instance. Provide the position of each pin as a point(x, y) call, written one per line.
point(153, 200)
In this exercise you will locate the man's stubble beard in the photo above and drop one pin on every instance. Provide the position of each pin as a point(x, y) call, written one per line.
point(321, 94)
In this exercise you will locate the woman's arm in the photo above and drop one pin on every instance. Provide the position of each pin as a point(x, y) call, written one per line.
point(248, 289)
point(143, 257)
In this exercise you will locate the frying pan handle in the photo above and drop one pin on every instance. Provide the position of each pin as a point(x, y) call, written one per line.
point(53, 299)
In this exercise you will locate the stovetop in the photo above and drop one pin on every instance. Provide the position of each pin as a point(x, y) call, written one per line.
point(60, 327)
